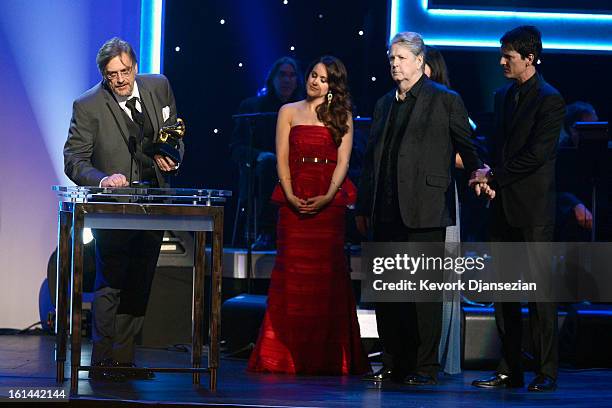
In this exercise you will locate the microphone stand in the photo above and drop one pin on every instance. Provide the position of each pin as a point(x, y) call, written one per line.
point(132, 149)
point(139, 120)
point(140, 139)
point(252, 120)
point(251, 230)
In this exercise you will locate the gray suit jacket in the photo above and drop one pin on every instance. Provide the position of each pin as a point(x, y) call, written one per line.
point(97, 144)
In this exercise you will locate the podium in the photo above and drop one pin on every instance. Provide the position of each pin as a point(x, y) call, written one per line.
point(196, 210)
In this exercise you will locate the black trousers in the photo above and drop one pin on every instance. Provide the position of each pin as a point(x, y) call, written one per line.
point(126, 260)
point(125, 266)
point(409, 331)
point(543, 323)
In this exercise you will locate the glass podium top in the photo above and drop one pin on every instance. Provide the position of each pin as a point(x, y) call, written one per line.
point(193, 196)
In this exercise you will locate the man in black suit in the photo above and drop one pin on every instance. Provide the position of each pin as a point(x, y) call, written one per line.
point(406, 193)
point(529, 114)
point(112, 129)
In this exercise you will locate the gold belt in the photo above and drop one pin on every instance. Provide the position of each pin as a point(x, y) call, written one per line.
point(316, 160)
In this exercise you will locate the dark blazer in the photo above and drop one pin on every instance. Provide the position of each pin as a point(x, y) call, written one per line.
point(97, 144)
point(523, 155)
point(438, 127)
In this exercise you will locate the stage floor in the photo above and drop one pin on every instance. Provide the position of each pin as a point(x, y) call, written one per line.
point(26, 361)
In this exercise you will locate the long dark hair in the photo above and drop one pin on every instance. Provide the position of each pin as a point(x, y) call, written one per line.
point(334, 115)
point(435, 60)
point(298, 92)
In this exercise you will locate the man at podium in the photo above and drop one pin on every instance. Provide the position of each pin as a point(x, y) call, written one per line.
point(112, 128)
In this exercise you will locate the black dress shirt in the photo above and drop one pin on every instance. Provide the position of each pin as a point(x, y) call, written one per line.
point(388, 203)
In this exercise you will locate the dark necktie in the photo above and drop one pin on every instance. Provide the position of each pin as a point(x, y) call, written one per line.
point(512, 104)
point(516, 99)
point(137, 116)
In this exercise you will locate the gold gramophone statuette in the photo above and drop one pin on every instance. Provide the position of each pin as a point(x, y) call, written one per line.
point(177, 131)
point(168, 142)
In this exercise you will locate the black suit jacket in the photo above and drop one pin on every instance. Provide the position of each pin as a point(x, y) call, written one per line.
point(523, 155)
point(438, 127)
point(97, 144)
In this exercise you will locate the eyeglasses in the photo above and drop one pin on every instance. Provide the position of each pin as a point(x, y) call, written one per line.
point(125, 72)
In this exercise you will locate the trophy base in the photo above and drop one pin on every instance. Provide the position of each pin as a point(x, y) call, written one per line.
point(164, 149)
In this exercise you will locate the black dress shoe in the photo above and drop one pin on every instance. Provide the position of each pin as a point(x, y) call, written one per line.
point(383, 374)
point(106, 375)
point(420, 379)
point(542, 383)
point(499, 381)
point(140, 374)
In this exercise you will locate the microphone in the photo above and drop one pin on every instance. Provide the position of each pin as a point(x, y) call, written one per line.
point(132, 145)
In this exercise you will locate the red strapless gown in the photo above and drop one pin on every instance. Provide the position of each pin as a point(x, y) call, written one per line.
point(311, 326)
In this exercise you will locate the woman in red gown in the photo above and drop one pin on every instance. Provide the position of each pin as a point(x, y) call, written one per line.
point(311, 326)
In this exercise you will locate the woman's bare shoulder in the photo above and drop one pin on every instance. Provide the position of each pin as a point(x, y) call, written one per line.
point(291, 107)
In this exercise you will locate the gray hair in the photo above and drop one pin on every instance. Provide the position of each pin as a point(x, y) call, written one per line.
point(413, 41)
point(111, 49)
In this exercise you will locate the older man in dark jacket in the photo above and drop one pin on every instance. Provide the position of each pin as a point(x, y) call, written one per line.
point(406, 194)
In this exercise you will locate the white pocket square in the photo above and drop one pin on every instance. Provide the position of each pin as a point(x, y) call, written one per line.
point(165, 113)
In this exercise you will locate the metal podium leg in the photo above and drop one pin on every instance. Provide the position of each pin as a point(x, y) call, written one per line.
point(77, 297)
point(198, 303)
point(64, 257)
